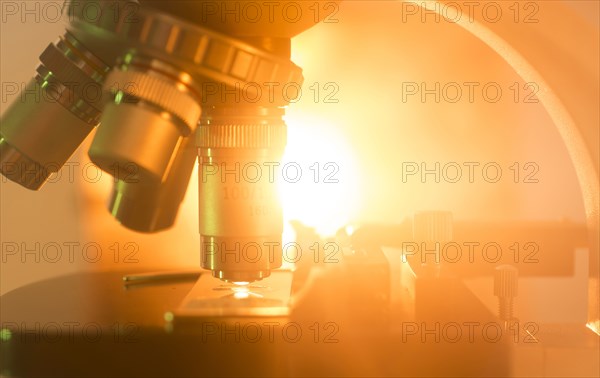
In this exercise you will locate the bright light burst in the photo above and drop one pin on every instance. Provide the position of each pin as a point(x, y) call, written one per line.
point(319, 183)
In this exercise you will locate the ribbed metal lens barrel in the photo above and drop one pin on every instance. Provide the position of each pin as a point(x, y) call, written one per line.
point(153, 109)
point(241, 219)
point(53, 114)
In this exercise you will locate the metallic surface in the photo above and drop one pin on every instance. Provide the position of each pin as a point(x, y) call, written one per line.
point(176, 67)
point(431, 231)
point(154, 108)
point(281, 19)
point(355, 294)
point(209, 56)
point(566, 93)
point(165, 70)
point(506, 289)
point(54, 114)
point(149, 206)
point(241, 219)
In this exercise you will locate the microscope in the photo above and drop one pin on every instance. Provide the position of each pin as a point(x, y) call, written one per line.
point(170, 83)
point(166, 84)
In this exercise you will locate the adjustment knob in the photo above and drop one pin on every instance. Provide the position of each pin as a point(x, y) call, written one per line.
point(433, 226)
point(505, 288)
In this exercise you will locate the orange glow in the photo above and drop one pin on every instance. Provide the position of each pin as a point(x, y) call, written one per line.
point(326, 194)
point(438, 189)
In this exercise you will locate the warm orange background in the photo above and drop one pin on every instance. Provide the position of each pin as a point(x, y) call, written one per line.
point(368, 133)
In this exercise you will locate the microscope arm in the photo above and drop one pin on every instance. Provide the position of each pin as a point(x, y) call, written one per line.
point(546, 56)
